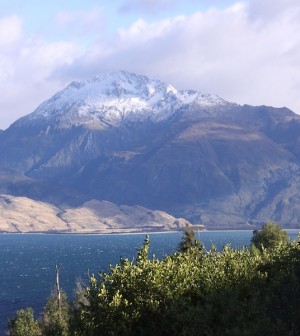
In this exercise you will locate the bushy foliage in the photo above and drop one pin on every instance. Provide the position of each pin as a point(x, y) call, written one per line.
point(24, 324)
point(55, 321)
point(76, 326)
point(52, 321)
point(270, 236)
point(193, 292)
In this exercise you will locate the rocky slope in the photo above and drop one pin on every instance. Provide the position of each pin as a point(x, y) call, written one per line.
point(130, 140)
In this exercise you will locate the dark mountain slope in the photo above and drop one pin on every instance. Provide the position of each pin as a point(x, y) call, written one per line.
point(129, 140)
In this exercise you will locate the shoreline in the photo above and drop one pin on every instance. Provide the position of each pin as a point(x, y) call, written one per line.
point(91, 233)
point(124, 232)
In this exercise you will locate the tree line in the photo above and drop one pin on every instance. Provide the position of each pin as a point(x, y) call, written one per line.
point(248, 291)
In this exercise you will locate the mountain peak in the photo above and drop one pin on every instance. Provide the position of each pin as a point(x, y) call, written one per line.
point(120, 84)
point(110, 98)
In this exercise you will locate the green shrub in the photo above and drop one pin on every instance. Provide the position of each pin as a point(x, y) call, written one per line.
point(24, 324)
point(270, 236)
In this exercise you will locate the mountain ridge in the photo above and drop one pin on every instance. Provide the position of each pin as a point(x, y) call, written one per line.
point(198, 157)
point(112, 97)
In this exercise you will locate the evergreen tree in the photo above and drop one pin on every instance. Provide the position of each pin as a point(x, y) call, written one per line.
point(188, 240)
point(55, 320)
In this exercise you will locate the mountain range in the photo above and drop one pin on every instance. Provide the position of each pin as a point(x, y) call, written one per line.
point(124, 139)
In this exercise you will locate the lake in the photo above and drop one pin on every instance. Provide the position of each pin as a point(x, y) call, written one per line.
point(27, 261)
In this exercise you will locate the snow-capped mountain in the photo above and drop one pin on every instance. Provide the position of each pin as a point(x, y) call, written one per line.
point(111, 98)
point(126, 139)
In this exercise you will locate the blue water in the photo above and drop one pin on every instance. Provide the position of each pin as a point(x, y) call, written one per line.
point(27, 262)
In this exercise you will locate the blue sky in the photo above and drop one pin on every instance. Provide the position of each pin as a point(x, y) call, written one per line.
point(245, 51)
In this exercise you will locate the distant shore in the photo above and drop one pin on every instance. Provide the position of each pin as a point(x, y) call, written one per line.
point(122, 232)
point(132, 231)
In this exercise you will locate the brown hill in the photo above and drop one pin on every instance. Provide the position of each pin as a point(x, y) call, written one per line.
point(24, 215)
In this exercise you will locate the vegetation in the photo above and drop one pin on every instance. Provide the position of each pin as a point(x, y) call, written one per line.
point(55, 321)
point(192, 292)
point(24, 324)
point(188, 240)
point(270, 236)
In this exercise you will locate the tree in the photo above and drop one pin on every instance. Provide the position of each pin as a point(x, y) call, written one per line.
point(143, 252)
point(188, 240)
point(269, 237)
point(76, 307)
point(24, 324)
point(55, 319)
point(231, 292)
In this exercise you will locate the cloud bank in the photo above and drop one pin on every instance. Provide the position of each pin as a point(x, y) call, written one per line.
point(248, 52)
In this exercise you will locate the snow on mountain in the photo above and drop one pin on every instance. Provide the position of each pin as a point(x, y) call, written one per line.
point(110, 98)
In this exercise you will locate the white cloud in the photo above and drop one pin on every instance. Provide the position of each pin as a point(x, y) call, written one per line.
point(10, 32)
point(243, 57)
point(246, 53)
point(25, 69)
point(270, 9)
